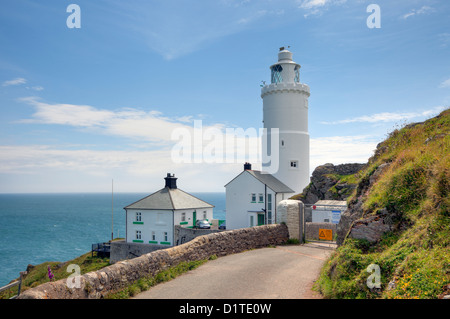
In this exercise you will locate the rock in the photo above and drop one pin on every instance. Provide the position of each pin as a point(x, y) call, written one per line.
point(391, 285)
point(355, 212)
point(370, 228)
point(323, 179)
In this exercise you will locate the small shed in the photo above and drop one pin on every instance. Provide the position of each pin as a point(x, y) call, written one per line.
point(328, 211)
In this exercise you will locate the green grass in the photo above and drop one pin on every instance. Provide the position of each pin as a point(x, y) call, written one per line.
point(39, 274)
point(414, 258)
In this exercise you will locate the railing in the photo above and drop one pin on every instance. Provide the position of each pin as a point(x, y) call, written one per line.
point(13, 284)
point(102, 249)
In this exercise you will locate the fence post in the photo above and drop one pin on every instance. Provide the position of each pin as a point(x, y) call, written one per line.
point(22, 273)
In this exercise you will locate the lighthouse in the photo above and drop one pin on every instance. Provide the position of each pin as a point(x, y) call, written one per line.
point(285, 118)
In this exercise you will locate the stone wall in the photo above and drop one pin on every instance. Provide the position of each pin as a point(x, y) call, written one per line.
point(96, 285)
point(121, 250)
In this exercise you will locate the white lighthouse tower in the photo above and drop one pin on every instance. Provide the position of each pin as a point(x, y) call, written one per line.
point(285, 107)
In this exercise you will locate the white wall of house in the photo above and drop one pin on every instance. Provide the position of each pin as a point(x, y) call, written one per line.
point(244, 204)
point(157, 226)
point(150, 226)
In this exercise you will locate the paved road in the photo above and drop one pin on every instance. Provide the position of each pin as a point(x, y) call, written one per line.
point(285, 272)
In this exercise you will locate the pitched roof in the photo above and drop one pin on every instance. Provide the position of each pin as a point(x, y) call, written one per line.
point(170, 199)
point(268, 179)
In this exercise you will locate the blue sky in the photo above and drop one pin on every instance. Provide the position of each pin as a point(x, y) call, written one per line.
point(82, 106)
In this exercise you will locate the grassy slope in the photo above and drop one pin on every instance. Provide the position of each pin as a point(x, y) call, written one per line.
point(39, 274)
point(414, 258)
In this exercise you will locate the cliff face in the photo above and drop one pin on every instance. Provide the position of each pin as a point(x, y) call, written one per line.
point(331, 182)
point(398, 218)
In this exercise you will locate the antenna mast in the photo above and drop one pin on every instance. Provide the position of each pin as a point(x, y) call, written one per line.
point(112, 209)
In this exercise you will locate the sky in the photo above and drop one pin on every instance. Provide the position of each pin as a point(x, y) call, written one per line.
point(94, 96)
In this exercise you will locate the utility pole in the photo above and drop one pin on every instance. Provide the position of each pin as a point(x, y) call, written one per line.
point(112, 210)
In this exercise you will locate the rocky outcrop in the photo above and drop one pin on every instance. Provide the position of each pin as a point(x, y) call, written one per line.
point(326, 183)
point(370, 228)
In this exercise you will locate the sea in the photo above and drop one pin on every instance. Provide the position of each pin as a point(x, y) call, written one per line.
point(36, 228)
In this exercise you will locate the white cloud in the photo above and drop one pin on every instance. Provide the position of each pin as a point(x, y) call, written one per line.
point(341, 149)
point(150, 126)
point(90, 170)
point(143, 170)
point(16, 81)
point(388, 117)
point(308, 4)
point(445, 84)
point(422, 10)
point(315, 7)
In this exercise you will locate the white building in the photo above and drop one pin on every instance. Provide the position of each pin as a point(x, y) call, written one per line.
point(285, 107)
point(252, 198)
point(151, 220)
point(328, 211)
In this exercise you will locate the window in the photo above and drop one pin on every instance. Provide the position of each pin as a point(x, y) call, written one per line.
point(282, 143)
point(138, 216)
point(138, 235)
point(153, 236)
point(276, 74)
point(253, 198)
point(252, 220)
point(261, 198)
point(183, 217)
point(297, 74)
point(166, 236)
point(204, 214)
point(294, 164)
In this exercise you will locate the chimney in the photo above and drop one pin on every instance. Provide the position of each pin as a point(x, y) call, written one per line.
point(247, 166)
point(171, 181)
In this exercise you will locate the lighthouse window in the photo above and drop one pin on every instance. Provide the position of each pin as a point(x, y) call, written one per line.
point(297, 74)
point(276, 74)
point(294, 164)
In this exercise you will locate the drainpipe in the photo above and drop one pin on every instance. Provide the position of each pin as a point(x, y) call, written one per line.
point(265, 204)
point(173, 227)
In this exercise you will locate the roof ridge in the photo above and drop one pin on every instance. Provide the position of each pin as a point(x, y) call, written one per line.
point(170, 196)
